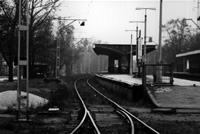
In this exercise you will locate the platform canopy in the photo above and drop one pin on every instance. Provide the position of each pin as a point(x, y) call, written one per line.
point(119, 49)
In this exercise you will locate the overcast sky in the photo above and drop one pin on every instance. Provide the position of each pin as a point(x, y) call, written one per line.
point(108, 20)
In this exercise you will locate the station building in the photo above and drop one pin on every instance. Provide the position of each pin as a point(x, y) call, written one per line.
point(119, 55)
point(188, 62)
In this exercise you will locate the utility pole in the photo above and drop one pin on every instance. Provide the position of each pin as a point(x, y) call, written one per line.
point(23, 63)
point(159, 72)
point(58, 42)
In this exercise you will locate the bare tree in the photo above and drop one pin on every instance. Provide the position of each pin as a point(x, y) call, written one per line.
point(40, 11)
point(8, 25)
point(178, 34)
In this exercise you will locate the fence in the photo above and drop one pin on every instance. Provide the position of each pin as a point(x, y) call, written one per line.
point(158, 74)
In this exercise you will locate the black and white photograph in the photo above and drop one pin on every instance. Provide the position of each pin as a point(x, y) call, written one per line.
point(99, 67)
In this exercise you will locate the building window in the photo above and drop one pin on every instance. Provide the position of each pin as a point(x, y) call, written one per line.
point(187, 64)
point(116, 63)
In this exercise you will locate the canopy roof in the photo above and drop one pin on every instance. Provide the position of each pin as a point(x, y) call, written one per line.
point(119, 49)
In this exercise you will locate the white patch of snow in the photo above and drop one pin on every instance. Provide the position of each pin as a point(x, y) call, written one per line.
point(9, 99)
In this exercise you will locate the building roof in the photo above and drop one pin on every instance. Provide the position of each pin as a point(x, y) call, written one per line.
point(119, 49)
point(188, 53)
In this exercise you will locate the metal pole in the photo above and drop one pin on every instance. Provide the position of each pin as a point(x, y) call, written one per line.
point(131, 58)
point(145, 34)
point(23, 64)
point(18, 69)
point(72, 68)
point(159, 72)
point(27, 59)
point(139, 62)
point(160, 33)
point(98, 64)
point(88, 62)
point(137, 45)
point(131, 53)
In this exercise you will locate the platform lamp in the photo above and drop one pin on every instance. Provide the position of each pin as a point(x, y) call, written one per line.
point(131, 51)
point(145, 28)
point(137, 38)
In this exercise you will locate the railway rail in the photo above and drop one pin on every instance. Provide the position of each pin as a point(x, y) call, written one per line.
point(103, 115)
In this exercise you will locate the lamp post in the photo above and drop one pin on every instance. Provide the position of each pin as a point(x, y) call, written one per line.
point(145, 28)
point(131, 51)
point(58, 42)
point(137, 36)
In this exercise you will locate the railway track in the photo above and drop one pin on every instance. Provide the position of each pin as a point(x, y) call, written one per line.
point(102, 115)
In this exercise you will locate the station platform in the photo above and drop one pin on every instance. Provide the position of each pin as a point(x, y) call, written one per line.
point(131, 80)
point(123, 78)
point(184, 93)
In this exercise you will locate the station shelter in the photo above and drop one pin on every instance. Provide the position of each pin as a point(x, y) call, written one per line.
point(119, 55)
point(188, 62)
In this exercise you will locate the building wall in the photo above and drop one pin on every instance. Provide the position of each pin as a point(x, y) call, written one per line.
point(118, 64)
point(189, 64)
point(194, 64)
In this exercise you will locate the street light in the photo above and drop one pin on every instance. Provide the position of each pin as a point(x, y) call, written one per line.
point(193, 22)
point(131, 56)
point(58, 42)
point(72, 21)
point(137, 42)
point(137, 39)
point(145, 28)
